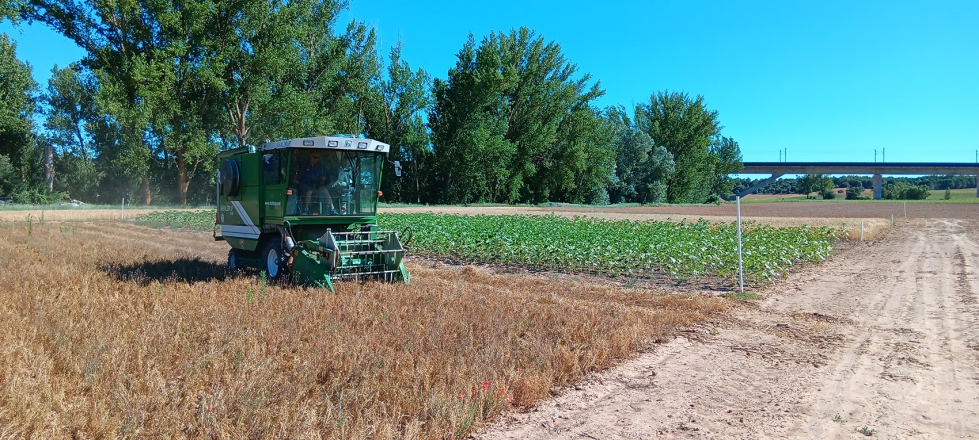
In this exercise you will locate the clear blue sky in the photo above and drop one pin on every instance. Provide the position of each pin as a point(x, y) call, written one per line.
point(829, 81)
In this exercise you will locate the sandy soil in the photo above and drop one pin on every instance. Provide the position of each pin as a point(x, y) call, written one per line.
point(881, 340)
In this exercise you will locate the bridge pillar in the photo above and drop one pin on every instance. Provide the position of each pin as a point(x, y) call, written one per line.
point(878, 187)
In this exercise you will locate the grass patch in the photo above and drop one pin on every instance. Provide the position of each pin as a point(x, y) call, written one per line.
point(964, 195)
point(745, 296)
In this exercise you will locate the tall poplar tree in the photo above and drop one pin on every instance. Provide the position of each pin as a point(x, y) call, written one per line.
point(18, 152)
point(514, 122)
point(686, 128)
point(397, 119)
point(71, 115)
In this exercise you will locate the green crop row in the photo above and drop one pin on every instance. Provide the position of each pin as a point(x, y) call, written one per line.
point(202, 220)
point(679, 251)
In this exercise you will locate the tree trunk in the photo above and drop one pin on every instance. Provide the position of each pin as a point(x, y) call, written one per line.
point(182, 181)
point(49, 167)
point(418, 188)
point(144, 188)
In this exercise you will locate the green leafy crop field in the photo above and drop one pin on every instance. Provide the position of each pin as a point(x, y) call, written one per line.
point(679, 251)
point(648, 249)
point(202, 220)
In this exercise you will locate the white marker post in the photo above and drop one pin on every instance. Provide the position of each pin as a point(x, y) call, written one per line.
point(740, 259)
point(861, 230)
point(905, 209)
point(122, 209)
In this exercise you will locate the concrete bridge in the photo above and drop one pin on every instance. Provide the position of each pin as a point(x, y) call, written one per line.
point(877, 169)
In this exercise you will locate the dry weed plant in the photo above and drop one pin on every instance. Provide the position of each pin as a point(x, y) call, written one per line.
point(112, 330)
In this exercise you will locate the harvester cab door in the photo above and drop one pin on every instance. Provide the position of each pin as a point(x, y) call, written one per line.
point(274, 182)
point(369, 182)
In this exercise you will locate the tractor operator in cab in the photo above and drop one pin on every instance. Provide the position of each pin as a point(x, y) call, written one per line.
point(316, 177)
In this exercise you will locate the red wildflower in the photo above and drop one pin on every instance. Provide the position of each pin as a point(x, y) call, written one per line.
point(485, 384)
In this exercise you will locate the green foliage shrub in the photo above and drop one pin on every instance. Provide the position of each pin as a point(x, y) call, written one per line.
point(25, 195)
point(902, 190)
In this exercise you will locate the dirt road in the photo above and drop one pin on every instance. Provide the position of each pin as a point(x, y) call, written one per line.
point(882, 340)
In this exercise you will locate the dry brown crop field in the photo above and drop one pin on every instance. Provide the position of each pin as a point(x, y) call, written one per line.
point(70, 214)
point(114, 330)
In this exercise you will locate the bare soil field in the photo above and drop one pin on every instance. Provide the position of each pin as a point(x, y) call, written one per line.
point(882, 340)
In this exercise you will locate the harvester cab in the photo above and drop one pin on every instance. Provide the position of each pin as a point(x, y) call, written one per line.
point(307, 207)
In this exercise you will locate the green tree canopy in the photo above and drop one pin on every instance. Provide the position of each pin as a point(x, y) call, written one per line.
point(69, 103)
point(641, 167)
point(513, 122)
point(12, 10)
point(397, 119)
point(174, 78)
point(726, 155)
point(685, 127)
point(71, 115)
point(17, 93)
point(814, 183)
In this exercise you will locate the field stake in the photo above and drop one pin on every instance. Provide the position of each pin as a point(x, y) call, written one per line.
point(892, 220)
point(740, 259)
point(122, 209)
point(861, 230)
point(905, 209)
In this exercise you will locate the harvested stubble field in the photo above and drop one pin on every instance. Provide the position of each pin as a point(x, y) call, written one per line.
point(116, 330)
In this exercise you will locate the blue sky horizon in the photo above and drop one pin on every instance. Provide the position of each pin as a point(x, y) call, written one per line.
point(827, 81)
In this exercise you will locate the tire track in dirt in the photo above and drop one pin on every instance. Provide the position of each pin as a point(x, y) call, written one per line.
point(883, 339)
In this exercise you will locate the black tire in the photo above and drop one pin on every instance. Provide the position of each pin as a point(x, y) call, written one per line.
point(234, 259)
point(272, 261)
point(230, 178)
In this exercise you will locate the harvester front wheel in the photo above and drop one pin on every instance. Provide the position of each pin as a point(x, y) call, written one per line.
point(272, 259)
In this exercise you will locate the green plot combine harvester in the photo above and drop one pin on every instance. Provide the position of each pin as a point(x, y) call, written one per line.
point(308, 207)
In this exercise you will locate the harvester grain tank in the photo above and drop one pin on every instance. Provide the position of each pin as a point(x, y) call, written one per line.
point(308, 207)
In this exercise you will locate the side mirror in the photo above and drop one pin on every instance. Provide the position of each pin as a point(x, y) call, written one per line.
point(397, 168)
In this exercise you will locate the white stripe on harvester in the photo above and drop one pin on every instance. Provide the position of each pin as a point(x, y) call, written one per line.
point(249, 230)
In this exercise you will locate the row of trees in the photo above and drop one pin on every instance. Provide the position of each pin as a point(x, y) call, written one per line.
point(903, 188)
point(165, 85)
